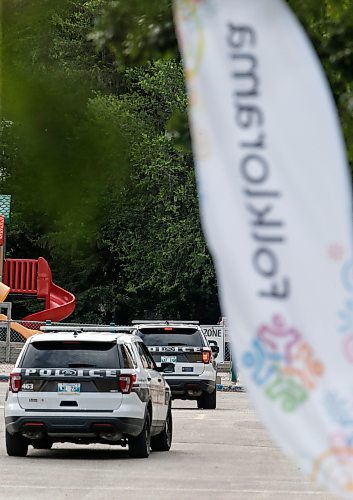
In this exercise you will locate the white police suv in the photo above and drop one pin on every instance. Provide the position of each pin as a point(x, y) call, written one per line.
point(181, 350)
point(85, 387)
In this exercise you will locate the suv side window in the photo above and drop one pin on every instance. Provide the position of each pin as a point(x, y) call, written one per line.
point(149, 357)
point(131, 355)
point(128, 362)
point(147, 362)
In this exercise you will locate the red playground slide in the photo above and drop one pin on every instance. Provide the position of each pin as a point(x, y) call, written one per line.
point(33, 277)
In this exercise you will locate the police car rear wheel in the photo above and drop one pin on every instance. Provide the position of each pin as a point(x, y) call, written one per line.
point(208, 401)
point(16, 445)
point(163, 441)
point(140, 446)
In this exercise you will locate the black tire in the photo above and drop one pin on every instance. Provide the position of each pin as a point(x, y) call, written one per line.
point(42, 444)
point(163, 440)
point(16, 445)
point(140, 446)
point(208, 401)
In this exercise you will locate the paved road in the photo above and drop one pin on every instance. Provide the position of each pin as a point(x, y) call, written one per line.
point(222, 454)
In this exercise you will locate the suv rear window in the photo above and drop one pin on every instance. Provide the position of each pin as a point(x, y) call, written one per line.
point(164, 336)
point(71, 354)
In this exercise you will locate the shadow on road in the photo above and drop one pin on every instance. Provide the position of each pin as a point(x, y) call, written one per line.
point(80, 454)
point(187, 408)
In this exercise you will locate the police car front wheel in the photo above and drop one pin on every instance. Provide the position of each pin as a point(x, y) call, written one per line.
point(140, 446)
point(163, 441)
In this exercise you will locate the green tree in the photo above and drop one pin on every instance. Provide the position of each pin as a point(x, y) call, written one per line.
point(155, 257)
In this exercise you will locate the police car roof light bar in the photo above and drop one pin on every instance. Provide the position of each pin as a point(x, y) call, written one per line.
point(112, 329)
point(163, 322)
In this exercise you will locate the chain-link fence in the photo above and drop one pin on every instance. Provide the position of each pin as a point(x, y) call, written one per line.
point(11, 340)
point(227, 352)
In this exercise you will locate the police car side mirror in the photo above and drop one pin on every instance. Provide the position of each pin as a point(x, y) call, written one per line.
point(214, 349)
point(166, 368)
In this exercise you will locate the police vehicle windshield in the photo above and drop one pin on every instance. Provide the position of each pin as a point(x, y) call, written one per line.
point(171, 336)
point(71, 354)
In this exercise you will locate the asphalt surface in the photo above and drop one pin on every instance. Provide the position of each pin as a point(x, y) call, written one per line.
point(216, 454)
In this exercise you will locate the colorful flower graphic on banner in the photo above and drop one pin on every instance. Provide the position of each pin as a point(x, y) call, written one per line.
point(283, 363)
point(336, 462)
point(347, 275)
point(346, 314)
point(336, 251)
point(346, 317)
point(340, 411)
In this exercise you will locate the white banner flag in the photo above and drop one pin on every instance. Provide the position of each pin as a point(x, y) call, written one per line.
point(276, 207)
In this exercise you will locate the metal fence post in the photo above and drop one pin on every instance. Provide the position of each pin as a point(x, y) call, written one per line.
point(8, 342)
point(7, 306)
point(234, 372)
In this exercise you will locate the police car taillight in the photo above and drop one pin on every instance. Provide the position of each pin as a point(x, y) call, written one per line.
point(206, 356)
point(15, 382)
point(125, 383)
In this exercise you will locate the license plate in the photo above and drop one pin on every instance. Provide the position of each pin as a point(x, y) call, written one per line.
point(64, 388)
point(168, 359)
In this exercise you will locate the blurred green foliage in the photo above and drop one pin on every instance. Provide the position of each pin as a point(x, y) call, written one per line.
point(136, 31)
point(65, 149)
point(97, 157)
point(95, 149)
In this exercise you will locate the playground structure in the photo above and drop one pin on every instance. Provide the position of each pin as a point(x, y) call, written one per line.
point(34, 278)
point(22, 330)
point(30, 277)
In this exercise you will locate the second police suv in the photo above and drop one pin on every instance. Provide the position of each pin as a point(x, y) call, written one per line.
point(181, 351)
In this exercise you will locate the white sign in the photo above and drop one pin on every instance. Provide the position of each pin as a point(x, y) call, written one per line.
point(276, 207)
point(215, 336)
